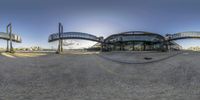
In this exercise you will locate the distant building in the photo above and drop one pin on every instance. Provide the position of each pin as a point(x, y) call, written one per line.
point(197, 48)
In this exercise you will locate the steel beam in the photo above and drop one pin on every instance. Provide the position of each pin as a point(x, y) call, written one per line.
point(9, 31)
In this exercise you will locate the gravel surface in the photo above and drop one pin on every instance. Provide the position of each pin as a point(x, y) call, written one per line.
point(90, 77)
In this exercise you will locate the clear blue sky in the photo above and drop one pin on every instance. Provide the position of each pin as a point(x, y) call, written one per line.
point(34, 20)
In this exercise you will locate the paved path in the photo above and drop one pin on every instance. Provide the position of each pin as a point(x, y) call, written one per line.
point(90, 77)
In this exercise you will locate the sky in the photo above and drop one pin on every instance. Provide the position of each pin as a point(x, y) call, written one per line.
point(35, 20)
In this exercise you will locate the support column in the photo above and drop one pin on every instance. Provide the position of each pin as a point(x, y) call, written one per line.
point(61, 45)
point(61, 39)
point(7, 48)
point(102, 47)
point(9, 31)
point(60, 29)
point(151, 46)
point(119, 46)
point(167, 45)
point(11, 47)
point(114, 47)
point(133, 43)
point(122, 46)
point(144, 49)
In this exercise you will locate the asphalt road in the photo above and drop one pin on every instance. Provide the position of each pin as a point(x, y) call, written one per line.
point(91, 77)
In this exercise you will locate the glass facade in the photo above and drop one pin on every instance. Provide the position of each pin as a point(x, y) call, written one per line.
point(127, 41)
point(139, 41)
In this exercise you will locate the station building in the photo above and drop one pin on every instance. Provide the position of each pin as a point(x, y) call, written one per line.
point(134, 41)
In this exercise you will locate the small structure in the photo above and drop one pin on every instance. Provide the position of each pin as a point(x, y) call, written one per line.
point(10, 37)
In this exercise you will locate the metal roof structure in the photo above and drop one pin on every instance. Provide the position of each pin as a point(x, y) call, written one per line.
point(135, 36)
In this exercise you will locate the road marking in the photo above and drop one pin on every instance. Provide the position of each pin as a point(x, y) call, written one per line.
point(29, 54)
point(8, 55)
point(186, 53)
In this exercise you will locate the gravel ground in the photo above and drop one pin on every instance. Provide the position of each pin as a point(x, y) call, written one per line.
point(90, 77)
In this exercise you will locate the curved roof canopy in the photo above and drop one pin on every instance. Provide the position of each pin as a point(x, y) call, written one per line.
point(135, 36)
point(74, 35)
point(14, 37)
